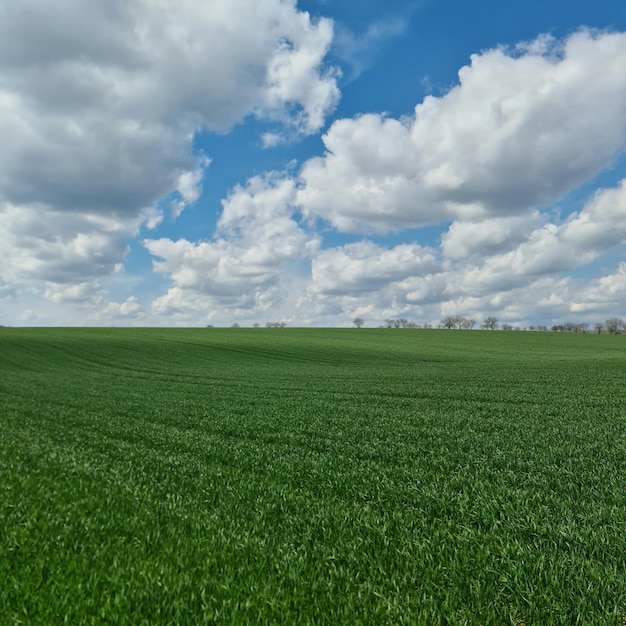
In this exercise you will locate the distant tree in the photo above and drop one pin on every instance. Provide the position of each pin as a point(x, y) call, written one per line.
point(282, 324)
point(574, 327)
point(490, 323)
point(507, 327)
point(397, 323)
point(449, 322)
point(358, 322)
point(599, 327)
point(542, 328)
point(235, 325)
point(614, 325)
point(466, 324)
point(256, 324)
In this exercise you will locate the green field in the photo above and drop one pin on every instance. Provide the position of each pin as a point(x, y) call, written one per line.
point(309, 476)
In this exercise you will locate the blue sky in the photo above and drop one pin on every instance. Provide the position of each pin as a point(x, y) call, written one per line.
point(244, 161)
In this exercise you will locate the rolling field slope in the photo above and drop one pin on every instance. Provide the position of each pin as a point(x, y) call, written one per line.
point(312, 476)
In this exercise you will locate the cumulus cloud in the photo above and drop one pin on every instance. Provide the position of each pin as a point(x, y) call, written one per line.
point(99, 102)
point(513, 266)
point(116, 312)
point(487, 237)
point(365, 267)
point(79, 293)
point(40, 243)
point(522, 128)
point(246, 265)
point(607, 293)
point(552, 249)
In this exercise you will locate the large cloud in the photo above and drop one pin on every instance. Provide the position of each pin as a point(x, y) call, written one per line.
point(554, 248)
point(246, 267)
point(522, 128)
point(511, 266)
point(99, 102)
point(365, 267)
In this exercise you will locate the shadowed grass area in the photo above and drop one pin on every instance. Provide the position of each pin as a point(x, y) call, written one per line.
point(312, 476)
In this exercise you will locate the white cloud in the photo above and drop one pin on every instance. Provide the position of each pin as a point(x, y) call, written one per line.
point(370, 281)
point(553, 249)
point(121, 312)
point(99, 102)
point(513, 267)
point(487, 237)
point(606, 294)
point(87, 293)
point(365, 267)
point(42, 244)
point(247, 266)
point(359, 51)
point(521, 129)
point(189, 187)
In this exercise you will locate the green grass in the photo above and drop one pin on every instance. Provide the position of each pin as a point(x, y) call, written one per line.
point(283, 476)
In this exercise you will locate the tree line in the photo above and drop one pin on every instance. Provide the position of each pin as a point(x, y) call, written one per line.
point(613, 325)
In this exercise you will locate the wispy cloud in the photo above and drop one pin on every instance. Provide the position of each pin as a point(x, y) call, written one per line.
point(360, 51)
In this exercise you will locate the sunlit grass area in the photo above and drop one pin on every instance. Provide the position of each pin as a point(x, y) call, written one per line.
point(312, 476)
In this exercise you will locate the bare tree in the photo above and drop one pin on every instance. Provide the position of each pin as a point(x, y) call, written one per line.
point(614, 325)
point(449, 322)
point(466, 324)
point(507, 327)
point(358, 322)
point(490, 323)
point(575, 327)
point(398, 323)
point(599, 327)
